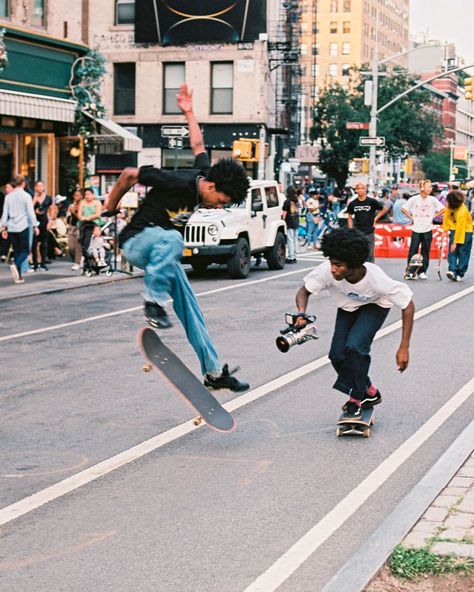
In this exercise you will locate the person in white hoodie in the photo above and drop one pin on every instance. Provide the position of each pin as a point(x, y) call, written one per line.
point(18, 215)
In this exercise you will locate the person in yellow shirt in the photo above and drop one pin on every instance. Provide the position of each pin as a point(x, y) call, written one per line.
point(458, 222)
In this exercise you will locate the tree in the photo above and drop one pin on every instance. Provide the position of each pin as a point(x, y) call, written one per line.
point(408, 127)
point(436, 165)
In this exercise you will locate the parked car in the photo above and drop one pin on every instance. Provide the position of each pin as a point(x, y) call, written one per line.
point(231, 236)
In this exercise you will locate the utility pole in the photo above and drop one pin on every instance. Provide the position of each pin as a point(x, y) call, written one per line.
point(373, 115)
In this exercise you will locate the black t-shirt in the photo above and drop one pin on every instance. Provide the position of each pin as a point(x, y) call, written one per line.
point(292, 218)
point(171, 200)
point(363, 213)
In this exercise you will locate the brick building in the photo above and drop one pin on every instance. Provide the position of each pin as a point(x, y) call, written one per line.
point(229, 70)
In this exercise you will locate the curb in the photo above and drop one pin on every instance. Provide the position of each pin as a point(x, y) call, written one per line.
point(65, 288)
point(365, 564)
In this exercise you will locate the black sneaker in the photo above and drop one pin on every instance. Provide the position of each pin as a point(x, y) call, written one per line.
point(225, 381)
point(371, 400)
point(351, 410)
point(156, 315)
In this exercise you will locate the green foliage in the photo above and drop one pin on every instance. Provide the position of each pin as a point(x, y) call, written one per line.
point(411, 563)
point(407, 127)
point(86, 85)
point(436, 165)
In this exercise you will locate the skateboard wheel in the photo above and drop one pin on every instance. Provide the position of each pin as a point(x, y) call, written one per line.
point(366, 433)
point(147, 368)
point(339, 432)
point(198, 421)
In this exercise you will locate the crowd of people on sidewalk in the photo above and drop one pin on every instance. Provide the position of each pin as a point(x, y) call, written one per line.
point(37, 229)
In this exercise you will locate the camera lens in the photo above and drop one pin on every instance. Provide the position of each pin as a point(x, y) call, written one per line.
point(282, 344)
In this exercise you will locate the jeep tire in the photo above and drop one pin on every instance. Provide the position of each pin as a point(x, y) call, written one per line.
point(239, 263)
point(276, 255)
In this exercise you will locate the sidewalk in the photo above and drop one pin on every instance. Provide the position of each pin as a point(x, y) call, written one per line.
point(59, 277)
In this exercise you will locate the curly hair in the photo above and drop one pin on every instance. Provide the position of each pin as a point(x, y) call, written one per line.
point(455, 199)
point(229, 178)
point(346, 244)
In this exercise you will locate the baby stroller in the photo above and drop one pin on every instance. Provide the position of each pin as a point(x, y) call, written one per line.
point(90, 265)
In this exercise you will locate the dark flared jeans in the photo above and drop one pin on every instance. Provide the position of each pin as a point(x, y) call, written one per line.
point(350, 347)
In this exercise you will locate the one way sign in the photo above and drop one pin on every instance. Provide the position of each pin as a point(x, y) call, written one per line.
point(377, 141)
point(176, 131)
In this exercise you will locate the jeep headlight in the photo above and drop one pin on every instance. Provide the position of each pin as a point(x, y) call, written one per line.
point(213, 229)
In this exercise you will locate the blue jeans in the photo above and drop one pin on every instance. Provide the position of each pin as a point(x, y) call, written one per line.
point(158, 252)
point(310, 229)
point(20, 246)
point(350, 347)
point(458, 261)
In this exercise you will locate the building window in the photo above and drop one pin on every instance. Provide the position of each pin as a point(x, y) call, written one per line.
point(334, 6)
point(332, 69)
point(222, 87)
point(37, 15)
point(333, 27)
point(315, 49)
point(124, 88)
point(304, 49)
point(124, 12)
point(346, 27)
point(315, 70)
point(346, 69)
point(4, 8)
point(173, 78)
point(346, 6)
point(333, 49)
point(346, 49)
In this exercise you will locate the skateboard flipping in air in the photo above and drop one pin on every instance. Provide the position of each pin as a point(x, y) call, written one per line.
point(413, 267)
point(162, 359)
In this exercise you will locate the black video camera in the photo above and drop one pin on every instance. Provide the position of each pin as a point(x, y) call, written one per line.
point(293, 335)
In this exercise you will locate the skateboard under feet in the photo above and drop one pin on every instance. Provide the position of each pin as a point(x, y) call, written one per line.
point(358, 427)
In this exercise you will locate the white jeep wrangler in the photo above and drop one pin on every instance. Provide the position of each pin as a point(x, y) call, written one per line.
point(232, 235)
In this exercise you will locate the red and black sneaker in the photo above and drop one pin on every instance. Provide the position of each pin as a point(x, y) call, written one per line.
point(371, 398)
point(352, 410)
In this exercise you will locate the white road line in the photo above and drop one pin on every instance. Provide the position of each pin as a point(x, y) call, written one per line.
point(296, 555)
point(61, 488)
point(135, 308)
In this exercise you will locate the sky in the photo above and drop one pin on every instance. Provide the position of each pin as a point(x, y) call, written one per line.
point(446, 20)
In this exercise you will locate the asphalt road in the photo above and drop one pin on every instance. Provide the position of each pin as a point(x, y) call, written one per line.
point(204, 511)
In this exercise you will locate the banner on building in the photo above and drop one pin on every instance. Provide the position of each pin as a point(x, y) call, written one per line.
point(177, 22)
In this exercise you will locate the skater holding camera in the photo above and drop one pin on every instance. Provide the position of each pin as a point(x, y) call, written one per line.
point(364, 294)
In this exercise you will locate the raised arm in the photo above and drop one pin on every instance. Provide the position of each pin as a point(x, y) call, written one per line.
point(184, 99)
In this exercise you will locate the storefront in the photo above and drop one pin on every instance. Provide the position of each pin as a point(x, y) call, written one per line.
point(37, 110)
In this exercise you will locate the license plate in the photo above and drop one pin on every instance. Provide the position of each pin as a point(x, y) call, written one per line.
point(187, 252)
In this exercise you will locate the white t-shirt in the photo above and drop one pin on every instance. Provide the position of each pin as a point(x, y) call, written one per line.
point(376, 287)
point(423, 210)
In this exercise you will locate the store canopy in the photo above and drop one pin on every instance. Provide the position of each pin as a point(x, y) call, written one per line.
point(20, 104)
point(115, 139)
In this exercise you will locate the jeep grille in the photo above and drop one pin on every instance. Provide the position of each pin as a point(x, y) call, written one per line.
point(195, 233)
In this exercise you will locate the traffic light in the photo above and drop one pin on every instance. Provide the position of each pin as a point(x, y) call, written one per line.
point(248, 150)
point(365, 166)
point(469, 88)
point(455, 170)
point(408, 166)
point(243, 149)
point(257, 151)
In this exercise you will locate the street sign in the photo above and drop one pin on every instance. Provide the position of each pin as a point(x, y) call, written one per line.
point(357, 125)
point(174, 131)
point(377, 141)
point(175, 142)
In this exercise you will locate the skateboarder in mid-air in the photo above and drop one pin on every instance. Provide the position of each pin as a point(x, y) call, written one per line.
point(364, 294)
point(153, 240)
